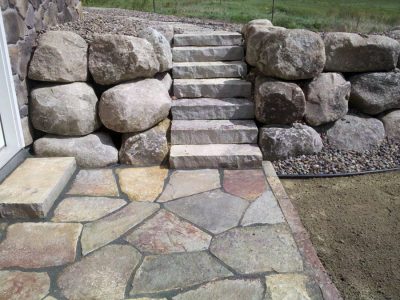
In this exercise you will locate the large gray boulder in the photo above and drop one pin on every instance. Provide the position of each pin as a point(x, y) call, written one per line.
point(146, 148)
point(161, 46)
point(289, 54)
point(391, 121)
point(134, 106)
point(278, 102)
point(327, 98)
point(61, 56)
point(356, 133)
point(373, 93)
point(351, 52)
point(91, 151)
point(117, 58)
point(282, 142)
point(67, 109)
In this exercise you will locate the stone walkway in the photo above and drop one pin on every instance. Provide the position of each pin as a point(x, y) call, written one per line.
point(128, 233)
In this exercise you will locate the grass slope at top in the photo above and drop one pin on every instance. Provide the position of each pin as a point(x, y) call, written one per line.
point(321, 15)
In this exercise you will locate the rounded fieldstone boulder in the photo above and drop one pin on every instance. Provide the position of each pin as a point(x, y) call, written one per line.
point(161, 46)
point(67, 109)
point(395, 34)
point(61, 56)
point(327, 98)
point(254, 25)
point(134, 106)
point(289, 54)
point(117, 58)
point(356, 133)
point(391, 121)
point(288, 141)
point(95, 150)
point(351, 52)
point(374, 93)
point(147, 148)
point(278, 102)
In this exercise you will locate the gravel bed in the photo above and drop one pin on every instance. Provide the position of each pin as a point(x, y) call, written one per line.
point(332, 161)
point(130, 22)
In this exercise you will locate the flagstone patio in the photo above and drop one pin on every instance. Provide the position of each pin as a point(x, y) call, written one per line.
point(128, 233)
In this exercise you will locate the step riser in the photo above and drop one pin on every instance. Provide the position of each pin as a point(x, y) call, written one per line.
point(210, 71)
point(234, 159)
point(238, 112)
point(204, 137)
point(208, 40)
point(224, 90)
point(204, 54)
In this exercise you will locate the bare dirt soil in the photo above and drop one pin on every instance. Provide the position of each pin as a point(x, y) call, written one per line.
point(354, 224)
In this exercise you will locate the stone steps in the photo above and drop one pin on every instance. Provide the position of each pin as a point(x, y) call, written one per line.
point(32, 188)
point(212, 109)
point(212, 88)
point(198, 70)
point(208, 53)
point(230, 156)
point(201, 132)
point(213, 38)
point(212, 124)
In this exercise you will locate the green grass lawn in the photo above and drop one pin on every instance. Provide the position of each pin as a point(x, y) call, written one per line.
point(322, 15)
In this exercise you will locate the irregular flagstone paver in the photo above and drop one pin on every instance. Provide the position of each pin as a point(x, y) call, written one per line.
point(38, 245)
point(142, 184)
point(50, 298)
point(85, 209)
point(148, 299)
point(101, 275)
point(265, 210)
point(17, 285)
point(249, 289)
point(174, 271)
point(187, 183)
point(258, 249)
point(247, 184)
point(104, 231)
point(215, 211)
point(166, 233)
point(291, 286)
point(32, 188)
point(99, 182)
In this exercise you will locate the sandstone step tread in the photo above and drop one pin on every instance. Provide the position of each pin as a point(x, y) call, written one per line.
point(212, 38)
point(198, 132)
point(213, 88)
point(212, 109)
point(32, 188)
point(218, 69)
point(209, 53)
point(244, 156)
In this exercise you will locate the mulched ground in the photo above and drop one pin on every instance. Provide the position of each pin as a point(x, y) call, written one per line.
point(354, 223)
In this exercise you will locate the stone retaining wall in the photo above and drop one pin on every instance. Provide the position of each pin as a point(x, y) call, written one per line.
point(344, 87)
point(23, 20)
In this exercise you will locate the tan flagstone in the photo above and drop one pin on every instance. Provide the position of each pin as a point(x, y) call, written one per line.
point(50, 298)
point(100, 182)
point(291, 286)
point(17, 285)
point(32, 188)
point(102, 275)
point(166, 233)
point(239, 289)
point(39, 245)
point(187, 183)
point(85, 209)
point(142, 184)
point(107, 229)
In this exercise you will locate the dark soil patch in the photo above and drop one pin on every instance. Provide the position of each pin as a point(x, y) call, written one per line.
point(354, 224)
